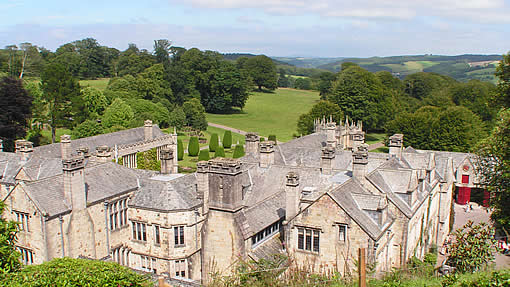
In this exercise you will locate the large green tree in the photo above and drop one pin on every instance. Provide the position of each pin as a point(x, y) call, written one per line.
point(118, 114)
point(195, 114)
point(62, 96)
point(503, 73)
point(262, 70)
point(14, 111)
point(494, 168)
point(323, 109)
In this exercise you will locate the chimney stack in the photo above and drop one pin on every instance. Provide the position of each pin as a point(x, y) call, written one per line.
point(166, 156)
point(359, 162)
point(252, 143)
point(266, 150)
point(331, 134)
point(292, 195)
point(395, 145)
point(358, 138)
point(65, 146)
point(103, 153)
point(328, 154)
point(83, 151)
point(74, 182)
point(203, 184)
point(25, 148)
point(147, 128)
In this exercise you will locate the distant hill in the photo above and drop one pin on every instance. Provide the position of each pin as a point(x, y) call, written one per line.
point(304, 62)
point(461, 67)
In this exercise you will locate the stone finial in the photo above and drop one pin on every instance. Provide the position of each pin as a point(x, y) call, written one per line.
point(73, 163)
point(147, 123)
point(360, 156)
point(292, 179)
point(83, 151)
point(24, 146)
point(147, 130)
point(65, 146)
point(65, 138)
point(103, 153)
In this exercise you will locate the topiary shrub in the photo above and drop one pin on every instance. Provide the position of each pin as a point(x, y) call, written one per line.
point(262, 139)
point(76, 272)
point(238, 151)
point(204, 155)
point(220, 152)
point(227, 139)
point(213, 142)
point(180, 150)
point(193, 147)
point(272, 138)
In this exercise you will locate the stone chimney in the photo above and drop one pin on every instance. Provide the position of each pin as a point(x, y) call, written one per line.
point(103, 153)
point(359, 162)
point(358, 138)
point(431, 167)
point(225, 188)
point(65, 146)
point(292, 195)
point(203, 183)
point(83, 151)
point(252, 143)
point(266, 150)
point(147, 129)
point(74, 182)
point(395, 145)
point(166, 156)
point(24, 148)
point(331, 134)
point(327, 157)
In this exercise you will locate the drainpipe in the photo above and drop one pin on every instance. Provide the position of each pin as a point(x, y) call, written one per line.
point(107, 230)
point(61, 219)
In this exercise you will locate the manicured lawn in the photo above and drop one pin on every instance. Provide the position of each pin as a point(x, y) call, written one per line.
point(270, 113)
point(99, 84)
point(59, 132)
point(374, 138)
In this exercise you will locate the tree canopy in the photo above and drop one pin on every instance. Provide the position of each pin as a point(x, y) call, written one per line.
point(15, 110)
point(262, 71)
point(323, 109)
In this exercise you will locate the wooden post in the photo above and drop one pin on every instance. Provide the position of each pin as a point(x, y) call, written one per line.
point(362, 268)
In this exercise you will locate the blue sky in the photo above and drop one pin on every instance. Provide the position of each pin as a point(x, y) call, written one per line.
point(320, 28)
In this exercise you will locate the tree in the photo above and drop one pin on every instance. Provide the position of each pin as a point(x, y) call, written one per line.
point(162, 49)
point(473, 247)
point(238, 151)
point(323, 109)
point(180, 150)
point(503, 73)
point(220, 152)
point(203, 155)
point(87, 129)
point(195, 114)
point(118, 114)
point(227, 139)
point(262, 70)
point(303, 84)
point(272, 138)
point(213, 142)
point(9, 257)
point(14, 111)
point(493, 166)
point(61, 93)
point(283, 80)
point(324, 85)
point(177, 118)
point(76, 272)
point(94, 101)
point(193, 146)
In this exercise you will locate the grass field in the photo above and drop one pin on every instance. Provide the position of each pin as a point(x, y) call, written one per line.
point(270, 113)
point(99, 84)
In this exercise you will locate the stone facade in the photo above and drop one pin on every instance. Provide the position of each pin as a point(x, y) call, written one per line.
point(316, 199)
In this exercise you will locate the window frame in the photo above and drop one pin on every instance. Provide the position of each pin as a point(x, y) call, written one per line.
point(344, 227)
point(308, 239)
point(139, 231)
point(23, 219)
point(179, 239)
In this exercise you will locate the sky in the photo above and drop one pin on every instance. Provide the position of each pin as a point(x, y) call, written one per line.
point(297, 28)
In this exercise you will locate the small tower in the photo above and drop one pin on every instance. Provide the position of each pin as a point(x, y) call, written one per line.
point(147, 130)
point(292, 195)
point(166, 156)
point(327, 157)
point(395, 144)
point(359, 162)
point(252, 143)
point(266, 150)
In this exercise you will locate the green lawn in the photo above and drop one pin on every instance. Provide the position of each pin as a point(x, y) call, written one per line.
point(270, 113)
point(59, 132)
point(374, 138)
point(99, 84)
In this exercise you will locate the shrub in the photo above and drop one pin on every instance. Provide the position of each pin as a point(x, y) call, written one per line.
point(203, 155)
point(262, 139)
point(238, 151)
point(193, 147)
point(180, 150)
point(272, 138)
point(213, 142)
point(220, 152)
point(148, 160)
point(227, 139)
point(76, 272)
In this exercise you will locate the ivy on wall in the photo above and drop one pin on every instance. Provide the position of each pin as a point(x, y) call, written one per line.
point(148, 160)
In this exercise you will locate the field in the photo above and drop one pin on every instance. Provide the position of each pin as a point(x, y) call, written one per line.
point(270, 113)
point(99, 84)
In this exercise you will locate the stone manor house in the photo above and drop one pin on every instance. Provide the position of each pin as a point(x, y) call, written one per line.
point(316, 199)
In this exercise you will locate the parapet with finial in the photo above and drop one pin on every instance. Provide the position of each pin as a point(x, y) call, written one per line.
point(220, 165)
point(74, 163)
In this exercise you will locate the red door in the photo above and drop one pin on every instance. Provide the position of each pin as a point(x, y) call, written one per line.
point(464, 195)
point(465, 178)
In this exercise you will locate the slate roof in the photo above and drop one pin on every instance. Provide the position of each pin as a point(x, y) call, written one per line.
point(10, 164)
point(178, 193)
point(102, 181)
point(117, 138)
point(37, 168)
